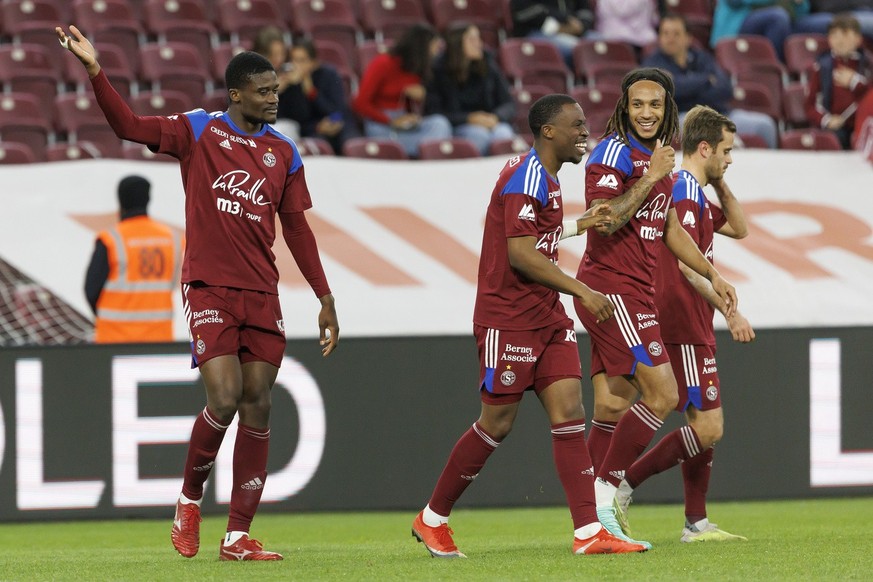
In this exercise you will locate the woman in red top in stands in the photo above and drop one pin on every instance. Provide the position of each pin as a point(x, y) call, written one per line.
point(392, 96)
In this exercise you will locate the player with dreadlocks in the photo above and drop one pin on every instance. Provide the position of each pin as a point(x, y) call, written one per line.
point(631, 170)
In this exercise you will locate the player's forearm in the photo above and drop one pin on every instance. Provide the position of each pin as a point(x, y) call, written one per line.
point(624, 206)
point(537, 268)
point(301, 242)
point(125, 124)
point(682, 246)
point(703, 287)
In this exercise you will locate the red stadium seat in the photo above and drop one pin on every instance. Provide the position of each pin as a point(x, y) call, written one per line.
point(801, 51)
point(65, 152)
point(332, 20)
point(509, 146)
point(753, 96)
point(23, 120)
point(177, 67)
point(367, 50)
point(216, 100)
point(809, 139)
point(447, 149)
point(79, 116)
point(16, 153)
point(485, 14)
point(388, 19)
point(109, 21)
point(30, 69)
point(314, 146)
point(596, 60)
point(374, 148)
point(698, 15)
point(598, 106)
point(221, 56)
point(746, 51)
point(135, 151)
point(163, 15)
point(794, 105)
point(32, 15)
point(535, 62)
point(524, 98)
point(332, 54)
point(113, 62)
point(242, 19)
point(161, 103)
point(752, 140)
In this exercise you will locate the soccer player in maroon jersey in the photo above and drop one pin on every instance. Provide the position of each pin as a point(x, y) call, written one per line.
point(525, 339)
point(238, 173)
point(686, 304)
point(630, 170)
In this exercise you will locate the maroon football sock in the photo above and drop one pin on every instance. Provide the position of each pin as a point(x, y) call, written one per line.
point(680, 445)
point(206, 437)
point(466, 460)
point(598, 441)
point(575, 470)
point(249, 475)
point(695, 476)
point(632, 435)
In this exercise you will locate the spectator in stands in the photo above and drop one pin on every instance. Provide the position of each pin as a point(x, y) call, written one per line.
point(770, 18)
point(632, 21)
point(315, 97)
point(839, 80)
point(270, 43)
point(823, 12)
point(391, 99)
point(470, 89)
point(700, 81)
point(561, 22)
point(132, 273)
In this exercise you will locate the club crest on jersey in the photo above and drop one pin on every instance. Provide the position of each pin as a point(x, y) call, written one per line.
point(608, 181)
point(689, 219)
point(269, 159)
point(527, 213)
point(507, 378)
point(655, 349)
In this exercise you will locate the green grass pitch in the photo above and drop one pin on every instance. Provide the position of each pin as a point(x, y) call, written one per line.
point(788, 540)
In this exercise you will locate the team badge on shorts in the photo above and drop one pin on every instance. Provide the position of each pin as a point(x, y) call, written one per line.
point(269, 160)
point(507, 378)
point(201, 347)
point(655, 349)
point(712, 393)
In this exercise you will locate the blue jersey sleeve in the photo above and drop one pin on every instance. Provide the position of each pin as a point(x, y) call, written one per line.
point(529, 178)
point(614, 154)
point(198, 119)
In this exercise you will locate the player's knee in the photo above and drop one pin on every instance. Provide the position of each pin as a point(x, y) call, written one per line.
point(709, 431)
point(663, 403)
point(224, 408)
point(612, 410)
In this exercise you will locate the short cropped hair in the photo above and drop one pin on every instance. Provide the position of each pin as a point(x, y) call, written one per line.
point(704, 123)
point(545, 110)
point(243, 67)
point(845, 21)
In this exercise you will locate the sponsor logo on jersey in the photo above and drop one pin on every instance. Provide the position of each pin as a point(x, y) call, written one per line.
point(507, 378)
point(608, 181)
point(655, 349)
point(689, 219)
point(235, 138)
point(226, 144)
point(645, 320)
point(206, 316)
point(709, 366)
point(513, 353)
point(527, 213)
point(711, 393)
point(269, 160)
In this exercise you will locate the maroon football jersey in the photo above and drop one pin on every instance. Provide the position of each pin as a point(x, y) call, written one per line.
point(685, 316)
point(525, 202)
point(234, 184)
point(625, 261)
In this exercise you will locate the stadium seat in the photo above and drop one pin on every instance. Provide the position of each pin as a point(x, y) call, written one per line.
point(447, 149)
point(509, 146)
point(161, 103)
point(113, 62)
point(221, 56)
point(79, 116)
point(746, 51)
point(598, 105)
point(242, 19)
point(177, 67)
point(388, 19)
point(16, 153)
point(485, 14)
point(333, 54)
point(29, 68)
point(698, 15)
point(367, 50)
point(332, 20)
point(794, 105)
point(809, 139)
point(216, 100)
point(801, 51)
point(524, 97)
point(23, 120)
point(595, 61)
point(535, 62)
point(33, 15)
point(752, 140)
point(136, 151)
point(64, 152)
point(753, 96)
point(767, 76)
point(161, 16)
point(374, 148)
point(314, 146)
point(109, 21)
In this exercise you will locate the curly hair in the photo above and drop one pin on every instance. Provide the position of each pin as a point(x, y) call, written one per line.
point(619, 123)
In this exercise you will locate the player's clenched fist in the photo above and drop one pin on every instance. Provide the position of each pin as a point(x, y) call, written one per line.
point(597, 303)
point(662, 161)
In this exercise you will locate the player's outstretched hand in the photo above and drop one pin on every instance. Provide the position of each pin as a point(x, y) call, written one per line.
point(597, 217)
point(597, 303)
point(740, 328)
point(728, 294)
point(76, 43)
point(662, 161)
point(328, 325)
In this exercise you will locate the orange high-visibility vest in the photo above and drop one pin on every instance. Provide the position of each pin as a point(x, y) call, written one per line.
point(136, 303)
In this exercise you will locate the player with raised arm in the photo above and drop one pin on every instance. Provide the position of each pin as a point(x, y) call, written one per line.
point(630, 170)
point(525, 339)
point(686, 303)
point(238, 173)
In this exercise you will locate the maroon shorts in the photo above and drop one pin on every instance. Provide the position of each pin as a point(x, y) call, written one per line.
point(631, 336)
point(697, 375)
point(511, 362)
point(226, 321)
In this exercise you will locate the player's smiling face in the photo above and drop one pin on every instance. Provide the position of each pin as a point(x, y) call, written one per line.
point(645, 110)
point(259, 98)
point(571, 133)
